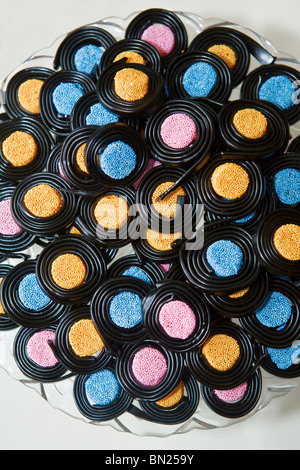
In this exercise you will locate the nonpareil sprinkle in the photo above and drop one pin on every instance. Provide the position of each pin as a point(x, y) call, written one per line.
point(284, 358)
point(278, 90)
point(39, 351)
point(225, 258)
point(29, 94)
point(85, 339)
point(19, 149)
point(111, 212)
point(168, 206)
point(230, 180)
point(87, 58)
point(118, 160)
point(177, 319)
point(131, 84)
point(31, 294)
point(287, 186)
point(43, 201)
point(80, 159)
point(221, 351)
point(137, 273)
point(68, 271)
point(149, 366)
point(131, 56)
point(225, 53)
point(233, 395)
point(161, 241)
point(178, 131)
point(276, 310)
point(102, 388)
point(173, 398)
point(126, 310)
point(287, 241)
point(161, 37)
point(250, 123)
point(8, 226)
point(99, 116)
point(65, 96)
point(199, 79)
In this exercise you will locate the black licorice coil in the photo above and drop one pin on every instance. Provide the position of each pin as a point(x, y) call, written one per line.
point(153, 273)
point(199, 150)
point(252, 85)
point(53, 164)
point(171, 378)
point(30, 368)
point(220, 92)
point(5, 322)
point(59, 124)
point(276, 337)
point(197, 270)
point(193, 323)
point(149, 211)
point(294, 146)
point(164, 411)
point(70, 268)
point(240, 407)
point(64, 351)
point(269, 137)
point(279, 255)
point(150, 101)
point(95, 412)
point(25, 314)
point(15, 239)
point(78, 38)
point(72, 162)
point(146, 53)
point(106, 219)
point(29, 213)
point(236, 48)
point(233, 208)
point(236, 372)
point(166, 18)
point(109, 134)
point(13, 103)
point(37, 141)
point(111, 328)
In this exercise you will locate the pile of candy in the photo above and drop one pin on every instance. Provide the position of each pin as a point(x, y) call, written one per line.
point(115, 147)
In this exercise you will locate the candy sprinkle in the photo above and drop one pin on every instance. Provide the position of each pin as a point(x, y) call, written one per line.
point(287, 241)
point(131, 84)
point(149, 366)
point(250, 123)
point(19, 149)
point(221, 351)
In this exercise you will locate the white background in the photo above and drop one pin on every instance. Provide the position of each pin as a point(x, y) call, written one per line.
point(26, 420)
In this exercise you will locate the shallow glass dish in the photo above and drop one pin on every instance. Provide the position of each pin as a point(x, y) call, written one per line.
point(60, 395)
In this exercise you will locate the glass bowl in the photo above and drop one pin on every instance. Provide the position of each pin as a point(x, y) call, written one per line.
point(60, 394)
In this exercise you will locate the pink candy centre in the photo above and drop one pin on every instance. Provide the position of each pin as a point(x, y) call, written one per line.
point(233, 395)
point(177, 319)
point(161, 37)
point(39, 350)
point(178, 131)
point(149, 366)
point(7, 224)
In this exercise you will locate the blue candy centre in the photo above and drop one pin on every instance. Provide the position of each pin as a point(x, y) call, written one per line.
point(287, 185)
point(31, 295)
point(278, 90)
point(118, 160)
point(99, 116)
point(275, 311)
point(126, 310)
point(137, 273)
point(199, 79)
point(86, 58)
point(225, 258)
point(102, 388)
point(65, 96)
point(286, 357)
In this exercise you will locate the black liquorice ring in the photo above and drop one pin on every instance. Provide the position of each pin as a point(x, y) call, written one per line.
point(106, 135)
point(48, 315)
point(199, 150)
point(53, 164)
point(121, 265)
point(87, 223)
point(234, 208)
point(173, 290)
point(281, 337)
point(148, 52)
point(19, 241)
point(176, 414)
point(230, 378)
point(30, 368)
point(231, 38)
point(74, 40)
point(201, 275)
point(241, 305)
point(176, 70)
point(147, 211)
point(252, 83)
point(100, 303)
point(43, 141)
point(145, 106)
point(60, 125)
point(164, 17)
point(250, 222)
point(239, 147)
point(5, 322)
point(12, 102)
point(79, 179)
point(91, 256)
point(56, 223)
point(294, 146)
point(293, 371)
point(237, 409)
point(64, 352)
point(175, 368)
point(289, 160)
point(267, 253)
point(95, 412)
